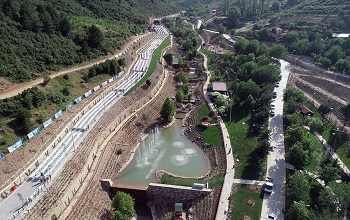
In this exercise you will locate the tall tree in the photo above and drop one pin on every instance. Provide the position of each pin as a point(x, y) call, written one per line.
point(64, 26)
point(297, 188)
point(297, 156)
point(95, 37)
point(298, 211)
point(233, 17)
point(336, 197)
point(168, 110)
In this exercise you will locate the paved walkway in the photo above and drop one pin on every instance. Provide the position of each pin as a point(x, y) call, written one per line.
point(332, 153)
point(249, 182)
point(230, 172)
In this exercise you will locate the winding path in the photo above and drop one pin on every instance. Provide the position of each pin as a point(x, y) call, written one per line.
point(230, 172)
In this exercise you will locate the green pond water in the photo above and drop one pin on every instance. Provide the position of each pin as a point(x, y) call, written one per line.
point(164, 149)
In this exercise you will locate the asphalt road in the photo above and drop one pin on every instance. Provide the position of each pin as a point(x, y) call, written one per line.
point(275, 202)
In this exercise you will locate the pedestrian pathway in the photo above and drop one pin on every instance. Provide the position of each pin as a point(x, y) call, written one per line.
point(332, 153)
point(226, 190)
point(249, 182)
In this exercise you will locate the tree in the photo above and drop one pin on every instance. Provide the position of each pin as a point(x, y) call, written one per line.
point(168, 57)
point(297, 156)
point(276, 6)
point(277, 51)
point(46, 79)
point(329, 174)
point(240, 45)
point(301, 46)
point(336, 198)
point(94, 37)
point(168, 110)
point(314, 124)
point(244, 89)
point(324, 109)
point(65, 91)
point(329, 171)
point(64, 26)
point(252, 47)
point(297, 188)
point(185, 88)
point(334, 54)
point(179, 95)
point(265, 35)
point(298, 211)
point(23, 117)
point(123, 203)
point(345, 110)
point(233, 18)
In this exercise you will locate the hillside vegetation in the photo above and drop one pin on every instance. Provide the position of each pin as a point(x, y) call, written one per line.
point(40, 36)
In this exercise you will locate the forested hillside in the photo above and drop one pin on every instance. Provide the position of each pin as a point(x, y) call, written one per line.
point(39, 36)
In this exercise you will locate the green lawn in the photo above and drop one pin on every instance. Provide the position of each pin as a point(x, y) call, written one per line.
point(213, 182)
point(240, 208)
point(243, 143)
point(316, 151)
point(152, 66)
point(212, 134)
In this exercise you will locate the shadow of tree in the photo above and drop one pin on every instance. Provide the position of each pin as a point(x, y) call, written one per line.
point(253, 169)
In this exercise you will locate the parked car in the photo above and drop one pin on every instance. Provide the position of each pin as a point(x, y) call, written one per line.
point(277, 84)
point(274, 95)
point(272, 112)
point(271, 217)
point(268, 186)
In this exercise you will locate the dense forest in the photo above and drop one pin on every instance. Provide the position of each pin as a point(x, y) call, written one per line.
point(40, 36)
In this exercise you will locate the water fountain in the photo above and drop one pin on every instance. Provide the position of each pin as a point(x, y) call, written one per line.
point(165, 149)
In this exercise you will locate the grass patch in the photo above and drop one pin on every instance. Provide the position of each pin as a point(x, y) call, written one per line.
point(213, 182)
point(152, 66)
point(212, 134)
point(316, 153)
point(240, 208)
point(243, 143)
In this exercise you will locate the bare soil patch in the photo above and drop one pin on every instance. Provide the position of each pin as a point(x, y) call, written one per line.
point(253, 188)
point(249, 202)
point(246, 217)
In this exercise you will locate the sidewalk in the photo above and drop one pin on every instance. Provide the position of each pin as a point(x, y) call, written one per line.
point(230, 171)
point(249, 182)
point(332, 154)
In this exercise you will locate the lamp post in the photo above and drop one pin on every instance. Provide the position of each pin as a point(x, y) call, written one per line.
point(335, 133)
point(230, 91)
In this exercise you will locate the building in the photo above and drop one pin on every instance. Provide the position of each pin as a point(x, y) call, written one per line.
point(305, 111)
point(219, 87)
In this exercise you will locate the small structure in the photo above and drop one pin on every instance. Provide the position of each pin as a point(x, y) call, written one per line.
point(305, 111)
point(206, 122)
point(278, 32)
point(179, 214)
point(343, 35)
point(175, 62)
point(219, 87)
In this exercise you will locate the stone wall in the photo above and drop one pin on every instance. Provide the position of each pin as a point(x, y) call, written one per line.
point(162, 193)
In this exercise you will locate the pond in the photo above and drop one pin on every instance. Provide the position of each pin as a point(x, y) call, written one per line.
point(166, 149)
